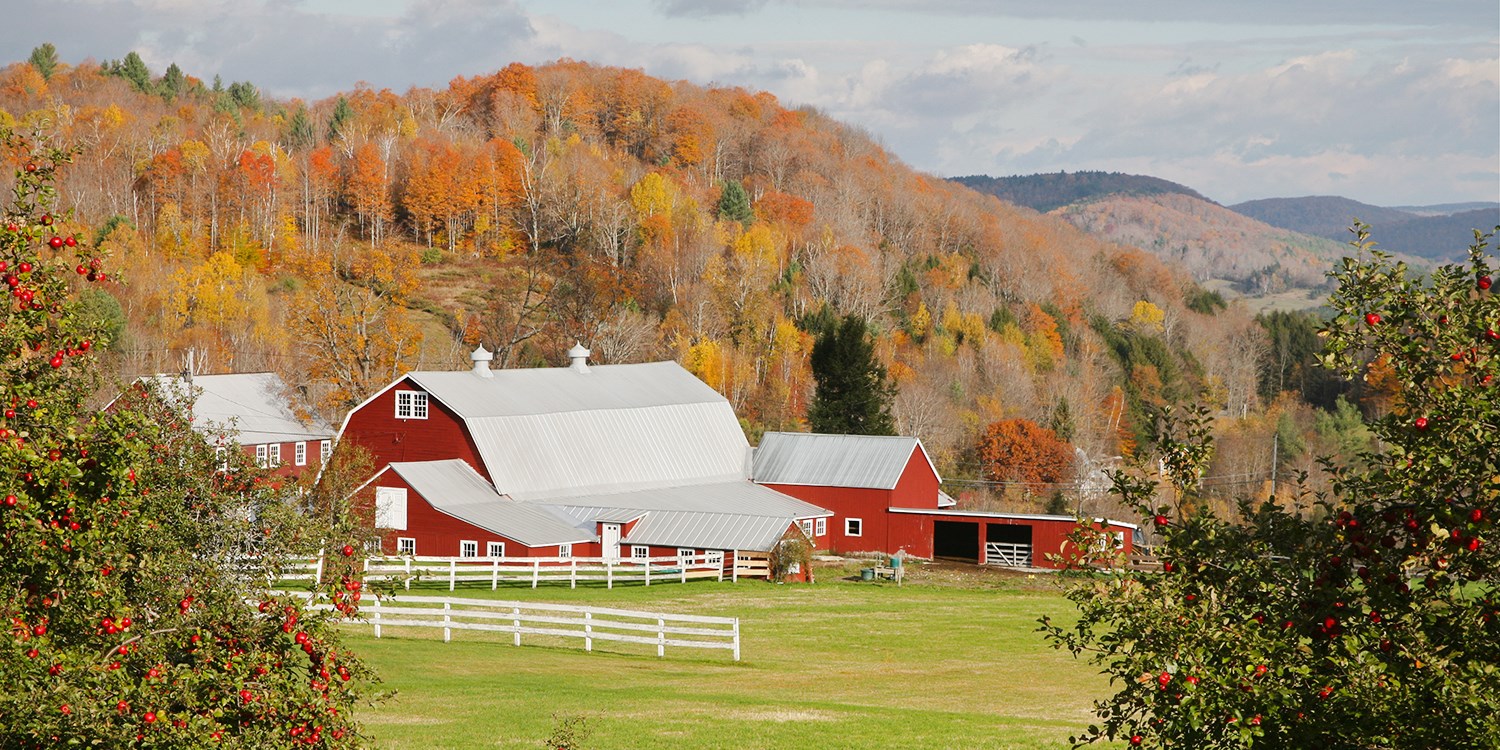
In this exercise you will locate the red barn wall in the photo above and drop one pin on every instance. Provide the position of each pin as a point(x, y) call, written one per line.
point(441, 436)
point(438, 534)
point(288, 466)
point(917, 487)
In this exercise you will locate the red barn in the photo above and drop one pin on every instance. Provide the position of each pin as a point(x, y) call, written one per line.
point(884, 493)
point(640, 459)
point(254, 411)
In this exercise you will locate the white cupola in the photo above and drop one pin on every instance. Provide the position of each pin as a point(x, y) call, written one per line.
point(482, 358)
point(579, 357)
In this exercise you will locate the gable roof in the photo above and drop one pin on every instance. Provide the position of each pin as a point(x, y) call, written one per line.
point(552, 432)
point(866, 461)
point(453, 487)
point(725, 515)
point(253, 406)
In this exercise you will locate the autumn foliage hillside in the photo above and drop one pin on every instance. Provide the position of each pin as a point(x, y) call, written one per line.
point(345, 240)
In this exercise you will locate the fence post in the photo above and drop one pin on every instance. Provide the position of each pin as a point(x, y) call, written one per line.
point(588, 630)
point(661, 637)
point(683, 566)
point(736, 639)
point(515, 615)
point(734, 571)
point(647, 563)
point(573, 574)
point(494, 574)
point(452, 573)
point(609, 574)
point(408, 574)
point(536, 569)
point(376, 606)
point(721, 570)
point(318, 576)
point(447, 620)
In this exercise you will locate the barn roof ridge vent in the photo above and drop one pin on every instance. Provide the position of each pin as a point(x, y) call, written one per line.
point(481, 358)
point(578, 357)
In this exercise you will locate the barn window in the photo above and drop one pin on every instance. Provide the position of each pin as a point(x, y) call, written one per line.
point(390, 508)
point(807, 527)
point(494, 549)
point(261, 456)
point(714, 557)
point(406, 545)
point(564, 550)
point(326, 450)
point(467, 548)
point(299, 455)
point(639, 551)
point(273, 455)
point(853, 526)
point(411, 405)
point(820, 526)
point(684, 555)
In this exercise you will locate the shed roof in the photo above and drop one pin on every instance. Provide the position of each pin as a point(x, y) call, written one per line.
point(867, 461)
point(255, 407)
point(454, 488)
point(559, 431)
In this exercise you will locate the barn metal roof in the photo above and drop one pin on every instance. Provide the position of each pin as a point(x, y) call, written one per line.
point(724, 515)
point(454, 488)
point(612, 428)
point(254, 407)
point(868, 461)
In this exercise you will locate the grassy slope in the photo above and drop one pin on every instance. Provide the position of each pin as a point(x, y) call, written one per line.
point(835, 665)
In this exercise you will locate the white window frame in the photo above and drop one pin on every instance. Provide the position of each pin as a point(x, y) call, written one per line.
point(854, 527)
point(714, 557)
point(565, 550)
point(406, 545)
point(494, 549)
point(411, 404)
point(299, 453)
point(262, 455)
point(639, 552)
point(325, 450)
point(468, 548)
point(820, 526)
point(807, 527)
point(390, 508)
point(273, 455)
point(685, 555)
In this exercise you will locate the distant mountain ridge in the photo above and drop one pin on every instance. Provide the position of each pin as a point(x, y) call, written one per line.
point(1425, 231)
point(1050, 191)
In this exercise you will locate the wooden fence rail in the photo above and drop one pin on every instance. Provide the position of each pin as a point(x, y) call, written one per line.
point(538, 570)
point(561, 620)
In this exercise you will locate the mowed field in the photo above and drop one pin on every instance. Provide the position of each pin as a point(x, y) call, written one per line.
point(950, 660)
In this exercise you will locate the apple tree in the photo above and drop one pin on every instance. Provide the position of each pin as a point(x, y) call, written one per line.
point(1361, 618)
point(134, 560)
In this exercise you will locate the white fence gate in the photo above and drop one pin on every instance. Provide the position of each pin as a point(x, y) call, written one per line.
point(1007, 555)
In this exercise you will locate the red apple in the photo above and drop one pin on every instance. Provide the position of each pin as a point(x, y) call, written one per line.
point(1372, 318)
point(70, 241)
point(55, 243)
point(348, 550)
point(1420, 423)
point(1483, 282)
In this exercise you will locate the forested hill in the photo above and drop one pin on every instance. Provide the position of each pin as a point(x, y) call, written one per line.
point(1045, 192)
point(346, 240)
point(1434, 234)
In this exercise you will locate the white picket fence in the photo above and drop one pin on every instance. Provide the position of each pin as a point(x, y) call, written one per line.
point(1007, 555)
point(566, 621)
point(538, 570)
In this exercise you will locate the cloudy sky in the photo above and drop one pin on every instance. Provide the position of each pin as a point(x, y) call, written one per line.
point(1394, 102)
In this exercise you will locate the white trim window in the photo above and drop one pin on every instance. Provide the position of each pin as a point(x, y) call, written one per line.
point(807, 527)
point(468, 548)
point(685, 555)
point(273, 455)
point(714, 557)
point(325, 451)
point(406, 545)
point(262, 456)
point(411, 405)
point(639, 552)
point(820, 526)
point(494, 549)
point(565, 550)
point(299, 454)
point(854, 527)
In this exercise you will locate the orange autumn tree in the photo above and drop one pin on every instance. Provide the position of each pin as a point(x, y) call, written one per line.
point(1019, 451)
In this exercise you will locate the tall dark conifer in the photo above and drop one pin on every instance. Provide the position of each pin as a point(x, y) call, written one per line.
point(853, 396)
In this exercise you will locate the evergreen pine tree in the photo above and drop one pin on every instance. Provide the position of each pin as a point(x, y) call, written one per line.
point(44, 59)
point(852, 396)
point(734, 203)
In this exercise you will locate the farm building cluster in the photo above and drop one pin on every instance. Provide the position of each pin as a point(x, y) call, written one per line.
point(628, 461)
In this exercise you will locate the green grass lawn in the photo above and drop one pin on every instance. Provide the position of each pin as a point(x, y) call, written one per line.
point(938, 663)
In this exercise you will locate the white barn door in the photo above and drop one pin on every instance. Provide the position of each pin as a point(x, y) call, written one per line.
point(609, 534)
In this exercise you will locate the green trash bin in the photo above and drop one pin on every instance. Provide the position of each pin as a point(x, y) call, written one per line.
point(895, 561)
point(867, 574)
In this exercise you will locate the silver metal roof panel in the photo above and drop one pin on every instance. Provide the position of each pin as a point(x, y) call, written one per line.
point(454, 488)
point(253, 407)
point(867, 461)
